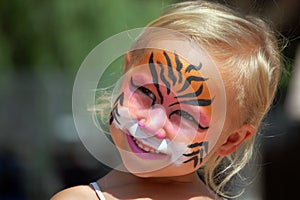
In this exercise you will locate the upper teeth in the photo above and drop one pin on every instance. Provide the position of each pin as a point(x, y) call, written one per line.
point(145, 148)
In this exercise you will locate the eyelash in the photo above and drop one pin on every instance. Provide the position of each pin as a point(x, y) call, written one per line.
point(184, 115)
point(148, 93)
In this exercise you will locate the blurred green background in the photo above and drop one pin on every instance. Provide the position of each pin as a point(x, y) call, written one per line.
point(43, 43)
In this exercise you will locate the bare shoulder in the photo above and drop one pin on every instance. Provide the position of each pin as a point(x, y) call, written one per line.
point(77, 192)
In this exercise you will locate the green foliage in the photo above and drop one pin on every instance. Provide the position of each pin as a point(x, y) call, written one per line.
point(43, 35)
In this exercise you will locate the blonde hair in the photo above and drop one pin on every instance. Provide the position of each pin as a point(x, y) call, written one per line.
point(245, 50)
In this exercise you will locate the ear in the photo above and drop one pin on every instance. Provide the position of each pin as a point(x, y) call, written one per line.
point(127, 61)
point(235, 139)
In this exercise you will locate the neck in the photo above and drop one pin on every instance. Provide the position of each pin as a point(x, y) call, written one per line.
point(118, 181)
point(128, 178)
point(188, 178)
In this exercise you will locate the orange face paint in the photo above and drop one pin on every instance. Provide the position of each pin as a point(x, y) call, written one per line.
point(180, 77)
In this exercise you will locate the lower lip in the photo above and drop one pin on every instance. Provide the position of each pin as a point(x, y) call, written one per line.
point(141, 153)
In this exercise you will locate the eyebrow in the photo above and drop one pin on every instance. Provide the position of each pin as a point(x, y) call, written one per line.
point(194, 102)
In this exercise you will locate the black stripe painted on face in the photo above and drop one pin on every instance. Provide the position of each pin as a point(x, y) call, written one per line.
point(163, 78)
point(115, 110)
point(170, 69)
point(155, 77)
point(200, 144)
point(203, 127)
point(111, 119)
point(120, 99)
point(195, 159)
point(113, 116)
point(192, 94)
point(178, 68)
point(189, 80)
point(194, 102)
point(193, 67)
point(133, 84)
point(192, 153)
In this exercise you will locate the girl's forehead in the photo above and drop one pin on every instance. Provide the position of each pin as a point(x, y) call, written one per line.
point(176, 69)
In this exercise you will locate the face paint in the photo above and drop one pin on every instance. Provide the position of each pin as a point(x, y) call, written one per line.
point(177, 86)
point(197, 155)
point(169, 48)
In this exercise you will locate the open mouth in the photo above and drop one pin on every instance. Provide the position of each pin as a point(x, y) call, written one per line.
point(145, 147)
point(144, 151)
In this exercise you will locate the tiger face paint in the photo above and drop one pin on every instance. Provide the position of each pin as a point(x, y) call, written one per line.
point(163, 111)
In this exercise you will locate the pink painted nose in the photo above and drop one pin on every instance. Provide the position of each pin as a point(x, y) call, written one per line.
point(155, 121)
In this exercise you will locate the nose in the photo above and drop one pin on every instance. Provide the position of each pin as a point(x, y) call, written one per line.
point(154, 121)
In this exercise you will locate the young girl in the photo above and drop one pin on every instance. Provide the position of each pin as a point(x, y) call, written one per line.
point(174, 114)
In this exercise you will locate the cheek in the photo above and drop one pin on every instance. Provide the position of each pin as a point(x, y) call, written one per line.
point(184, 127)
point(114, 132)
point(187, 131)
point(117, 137)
